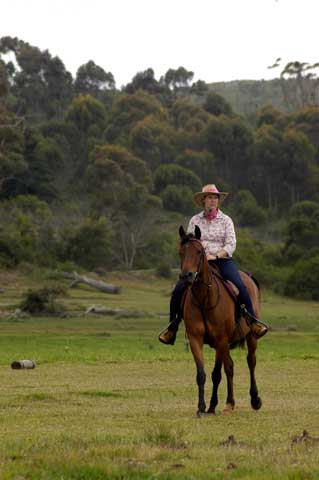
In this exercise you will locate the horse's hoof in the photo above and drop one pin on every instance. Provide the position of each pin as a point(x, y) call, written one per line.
point(256, 403)
point(210, 412)
point(228, 409)
point(200, 414)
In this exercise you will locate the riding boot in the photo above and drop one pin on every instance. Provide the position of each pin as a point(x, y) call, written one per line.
point(257, 327)
point(168, 335)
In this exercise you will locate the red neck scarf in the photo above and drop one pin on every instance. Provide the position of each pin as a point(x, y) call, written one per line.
point(211, 215)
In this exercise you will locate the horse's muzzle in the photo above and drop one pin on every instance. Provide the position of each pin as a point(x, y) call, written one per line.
point(189, 277)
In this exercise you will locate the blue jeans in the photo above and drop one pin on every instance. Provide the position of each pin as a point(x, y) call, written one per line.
point(229, 271)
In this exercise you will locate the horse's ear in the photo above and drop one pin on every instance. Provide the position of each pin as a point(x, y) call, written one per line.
point(181, 231)
point(198, 233)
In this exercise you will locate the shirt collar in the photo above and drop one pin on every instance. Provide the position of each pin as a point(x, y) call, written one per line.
point(201, 214)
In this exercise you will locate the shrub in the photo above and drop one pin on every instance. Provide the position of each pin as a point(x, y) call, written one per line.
point(164, 270)
point(178, 199)
point(247, 211)
point(89, 245)
point(304, 280)
point(42, 301)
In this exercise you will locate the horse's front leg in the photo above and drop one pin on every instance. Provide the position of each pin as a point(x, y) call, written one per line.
point(216, 378)
point(255, 400)
point(229, 371)
point(197, 350)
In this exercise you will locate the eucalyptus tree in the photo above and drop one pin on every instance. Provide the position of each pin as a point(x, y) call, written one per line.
point(299, 82)
point(177, 79)
point(268, 115)
point(298, 166)
point(40, 82)
point(127, 111)
point(199, 88)
point(217, 105)
point(154, 140)
point(306, 120)
point(4, 81)
point(93, 79)
point(302, 230)
point(230, 140)
point(267, 168)
point(86, 120)
point(201, 163)
point(119, 186)
point(12, 162)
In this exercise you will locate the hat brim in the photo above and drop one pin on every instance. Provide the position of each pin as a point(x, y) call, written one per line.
point(199, 197)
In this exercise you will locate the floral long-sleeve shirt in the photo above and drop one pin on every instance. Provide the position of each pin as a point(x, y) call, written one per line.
point(216, 234)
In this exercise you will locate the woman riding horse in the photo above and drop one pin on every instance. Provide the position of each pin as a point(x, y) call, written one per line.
point(219, 241)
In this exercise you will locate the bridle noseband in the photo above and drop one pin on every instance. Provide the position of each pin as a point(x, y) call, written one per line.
point(194, 276)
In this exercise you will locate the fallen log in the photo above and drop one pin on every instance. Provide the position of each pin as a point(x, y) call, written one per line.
point(98, 284)
point(98, 309)
point(117, 312)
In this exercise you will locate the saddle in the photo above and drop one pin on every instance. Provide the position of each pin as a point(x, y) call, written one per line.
point(241, 322)
point(230, 286)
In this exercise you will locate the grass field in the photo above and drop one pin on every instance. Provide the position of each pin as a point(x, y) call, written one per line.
point(108, 401)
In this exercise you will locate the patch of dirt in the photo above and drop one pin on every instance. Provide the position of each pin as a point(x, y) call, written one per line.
point(177, 465)
point(231, 441)
point(304, 438)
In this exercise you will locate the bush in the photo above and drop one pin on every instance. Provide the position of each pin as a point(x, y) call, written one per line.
point(172, 174)
point(247, 211)
point(25, 232)
point(89, 246)
point(304, 280)
point(42, 301)
point(263, 261)
point(164, 270)
point(178, 199)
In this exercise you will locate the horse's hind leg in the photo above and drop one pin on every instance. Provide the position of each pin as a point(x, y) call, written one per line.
point(255, 400)
point(197, 350)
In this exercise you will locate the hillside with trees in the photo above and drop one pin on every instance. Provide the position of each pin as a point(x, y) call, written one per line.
point(100, 178)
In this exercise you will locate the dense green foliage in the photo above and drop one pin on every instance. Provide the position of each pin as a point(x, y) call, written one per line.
point(102, 178)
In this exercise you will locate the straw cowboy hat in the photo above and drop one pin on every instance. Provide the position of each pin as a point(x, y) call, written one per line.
point(208, 190)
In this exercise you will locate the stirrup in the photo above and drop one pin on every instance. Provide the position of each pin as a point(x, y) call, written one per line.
point(257, 327)
point(167, 336)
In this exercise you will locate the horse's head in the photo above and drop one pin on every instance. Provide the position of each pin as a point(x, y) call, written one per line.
point(191, 253)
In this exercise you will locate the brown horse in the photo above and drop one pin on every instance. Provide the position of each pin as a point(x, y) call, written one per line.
point(209, 317)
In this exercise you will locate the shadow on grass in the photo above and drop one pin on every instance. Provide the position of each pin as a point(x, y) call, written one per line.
point(101, 394)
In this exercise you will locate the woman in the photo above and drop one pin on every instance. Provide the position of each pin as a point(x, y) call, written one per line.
point(219, 241)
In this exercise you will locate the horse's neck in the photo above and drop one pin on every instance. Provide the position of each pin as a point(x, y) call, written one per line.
point(206, 275)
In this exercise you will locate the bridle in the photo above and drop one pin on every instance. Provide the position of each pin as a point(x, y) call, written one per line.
point(196, 277)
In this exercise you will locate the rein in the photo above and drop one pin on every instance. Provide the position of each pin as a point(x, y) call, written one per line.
point(197, 279)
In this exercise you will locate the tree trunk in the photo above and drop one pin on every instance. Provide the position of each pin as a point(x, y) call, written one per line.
point(102, 286)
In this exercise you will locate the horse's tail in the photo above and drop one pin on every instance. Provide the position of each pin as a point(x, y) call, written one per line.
point(238, 344)
point(254, 279)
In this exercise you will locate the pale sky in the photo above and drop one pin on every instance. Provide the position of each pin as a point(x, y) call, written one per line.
point(219, 40)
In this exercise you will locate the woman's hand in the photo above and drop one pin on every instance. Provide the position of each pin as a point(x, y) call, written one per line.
point(222, 254)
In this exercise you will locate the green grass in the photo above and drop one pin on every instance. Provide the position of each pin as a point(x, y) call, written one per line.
point(108, 401)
